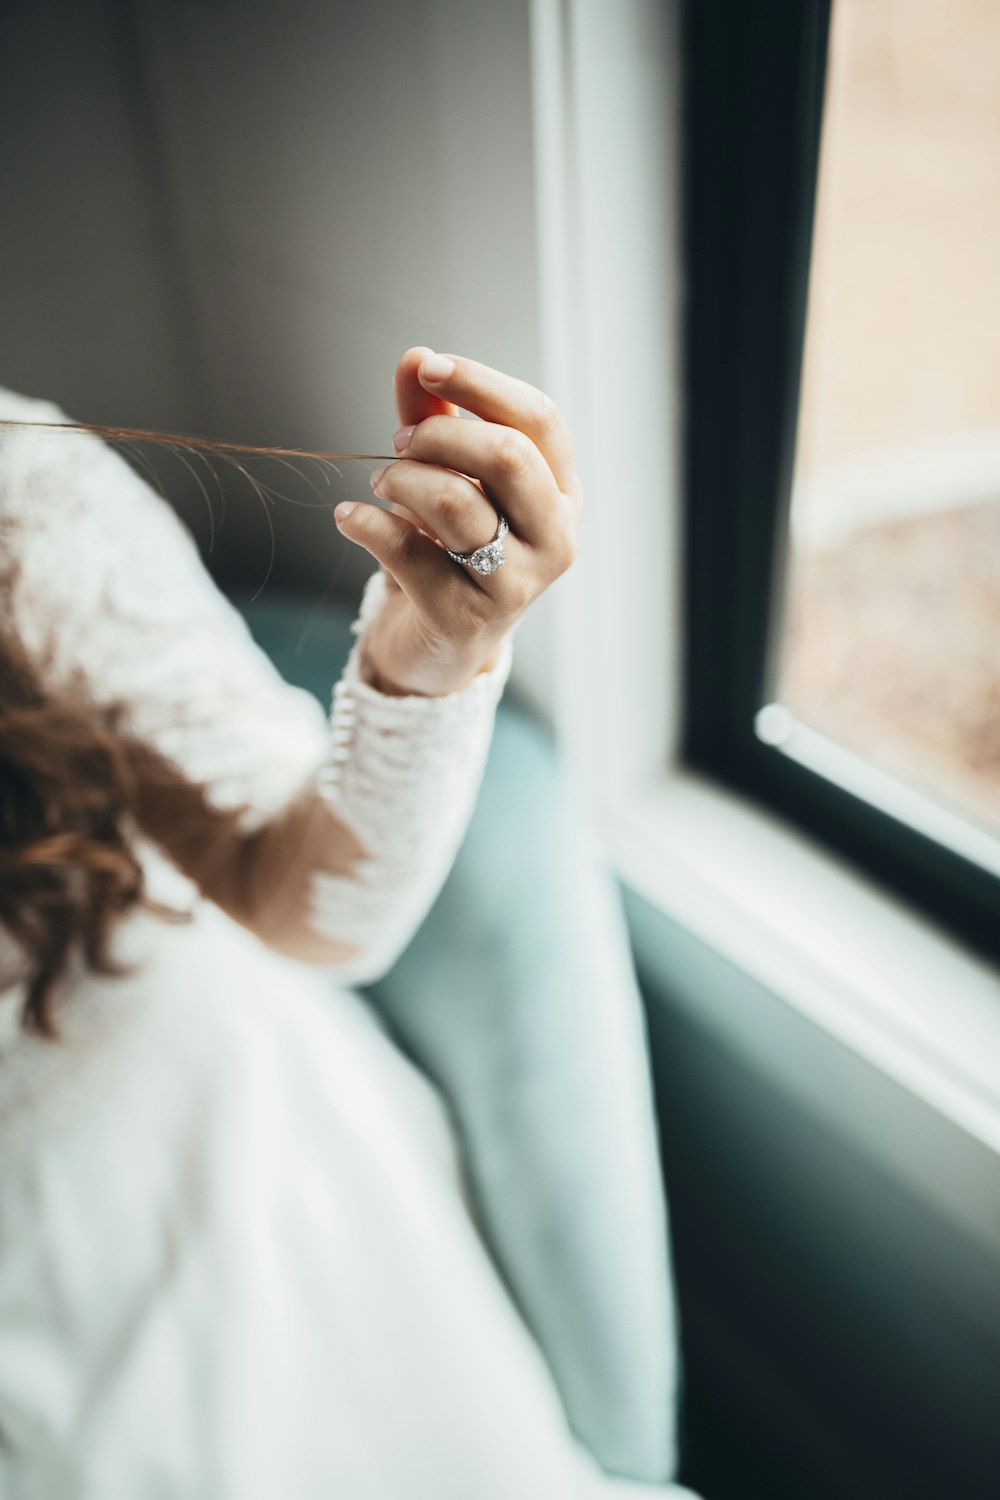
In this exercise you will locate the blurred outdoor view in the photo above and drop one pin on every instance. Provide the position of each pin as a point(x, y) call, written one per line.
point(891, 641)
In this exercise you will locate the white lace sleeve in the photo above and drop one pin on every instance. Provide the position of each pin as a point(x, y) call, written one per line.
point(403, 773)
point(104, 586)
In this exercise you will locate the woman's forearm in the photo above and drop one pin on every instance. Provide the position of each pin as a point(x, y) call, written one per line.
point(343, 876)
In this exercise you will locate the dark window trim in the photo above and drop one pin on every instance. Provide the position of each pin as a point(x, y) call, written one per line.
point(753, 79)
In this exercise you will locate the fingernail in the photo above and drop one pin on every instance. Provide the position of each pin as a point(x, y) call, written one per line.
point(344, 509)
point(402, 439)
point(376, 477)
point(436, 367)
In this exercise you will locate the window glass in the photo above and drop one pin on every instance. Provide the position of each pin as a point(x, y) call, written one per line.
point(890, 644)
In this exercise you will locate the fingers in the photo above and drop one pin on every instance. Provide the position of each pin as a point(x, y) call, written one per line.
point(495, 397)
point(454, 476)
point(515, 477)
point(448, 505)
point(413, 561)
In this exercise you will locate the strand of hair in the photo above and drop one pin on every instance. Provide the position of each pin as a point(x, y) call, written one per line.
point(208, 445)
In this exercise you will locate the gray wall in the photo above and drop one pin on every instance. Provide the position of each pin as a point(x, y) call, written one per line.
point(91, 306)
point(233, 218)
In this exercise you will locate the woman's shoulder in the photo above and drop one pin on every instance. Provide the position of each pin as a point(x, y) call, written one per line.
point(104, 587)
point(17, 407)
point(27, 429)
point(71, 507)
point(44, 454)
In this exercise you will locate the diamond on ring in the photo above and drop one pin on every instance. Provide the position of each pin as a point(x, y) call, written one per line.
point(485, 559)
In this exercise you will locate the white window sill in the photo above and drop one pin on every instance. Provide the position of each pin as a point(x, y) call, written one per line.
point(828, 942)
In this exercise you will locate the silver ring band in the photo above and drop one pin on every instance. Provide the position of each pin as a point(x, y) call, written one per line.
point(484, 559)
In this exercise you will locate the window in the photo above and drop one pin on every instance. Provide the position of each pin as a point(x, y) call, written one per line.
point(842, 233)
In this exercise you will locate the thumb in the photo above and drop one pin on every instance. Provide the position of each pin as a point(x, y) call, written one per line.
point(414, 560)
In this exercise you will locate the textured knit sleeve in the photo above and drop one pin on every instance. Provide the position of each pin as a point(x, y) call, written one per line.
point(104, 585)
point(402, 773)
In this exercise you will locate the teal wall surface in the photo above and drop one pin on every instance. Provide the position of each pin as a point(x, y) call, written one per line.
point(841, 1334)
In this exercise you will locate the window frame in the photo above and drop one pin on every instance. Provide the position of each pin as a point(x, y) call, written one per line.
point(753, 85)
point(813, 947)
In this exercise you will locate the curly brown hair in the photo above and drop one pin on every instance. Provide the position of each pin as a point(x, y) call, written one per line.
point(72, 787)
point(75, 788)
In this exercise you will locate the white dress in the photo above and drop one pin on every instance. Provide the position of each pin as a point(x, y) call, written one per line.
point(236, 1260)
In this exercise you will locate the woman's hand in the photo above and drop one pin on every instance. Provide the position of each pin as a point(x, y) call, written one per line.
point(441, 622)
